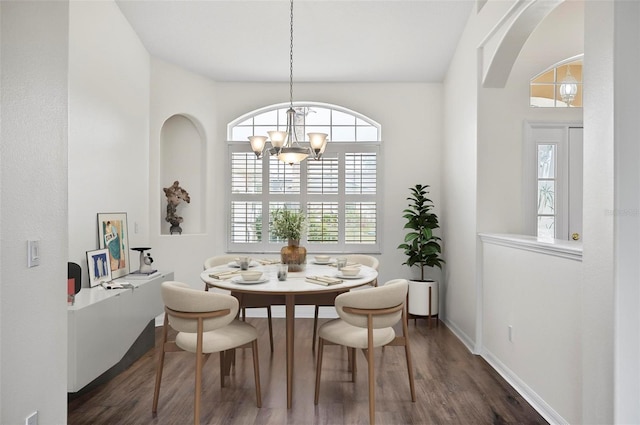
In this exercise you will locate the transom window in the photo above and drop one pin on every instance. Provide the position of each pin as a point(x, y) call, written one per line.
point(339, 193)
point(559, 86)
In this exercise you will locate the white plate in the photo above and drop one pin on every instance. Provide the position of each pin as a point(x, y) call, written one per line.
point(241, 281)
point(341, 276)
point(322, 263)
point(237, 266)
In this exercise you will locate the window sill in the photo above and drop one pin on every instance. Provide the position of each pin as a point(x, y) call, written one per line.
point(571, 250)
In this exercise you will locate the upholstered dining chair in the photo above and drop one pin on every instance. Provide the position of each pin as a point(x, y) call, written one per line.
point(206, 324)
point(365, 260)
point(220, 260)
point(366, 321)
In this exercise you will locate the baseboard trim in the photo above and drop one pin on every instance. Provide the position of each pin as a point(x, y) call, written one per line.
point(523, 389)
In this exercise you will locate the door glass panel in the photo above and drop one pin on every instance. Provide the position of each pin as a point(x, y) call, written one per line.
point(546, 227)
point(546, 197)
point(546, 161)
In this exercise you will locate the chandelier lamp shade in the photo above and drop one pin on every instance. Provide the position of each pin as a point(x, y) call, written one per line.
point(285, 144)
point(568, 87)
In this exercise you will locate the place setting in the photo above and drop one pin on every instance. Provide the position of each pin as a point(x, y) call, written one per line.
point(250, 277)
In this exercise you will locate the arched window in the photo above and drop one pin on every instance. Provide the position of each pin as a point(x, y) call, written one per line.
point(338, 193)
point(559, 86)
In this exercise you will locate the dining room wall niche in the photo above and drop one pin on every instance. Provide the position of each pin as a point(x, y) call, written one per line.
point(182, 153)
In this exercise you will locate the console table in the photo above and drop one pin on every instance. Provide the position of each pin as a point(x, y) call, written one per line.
point(103, 325)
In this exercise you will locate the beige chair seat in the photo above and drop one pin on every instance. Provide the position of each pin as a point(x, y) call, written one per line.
point(341, 333)
point(233, 335)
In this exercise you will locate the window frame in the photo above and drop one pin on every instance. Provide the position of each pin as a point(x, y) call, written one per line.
point(339, 148)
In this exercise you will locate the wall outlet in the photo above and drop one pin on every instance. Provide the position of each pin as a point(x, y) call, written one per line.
point(32, 419)
point(510, 333)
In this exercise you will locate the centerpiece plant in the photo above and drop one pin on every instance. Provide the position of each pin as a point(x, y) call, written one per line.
point(290, 225)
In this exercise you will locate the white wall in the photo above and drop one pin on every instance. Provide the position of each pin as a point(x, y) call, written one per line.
point(459, 176)
point(598, 279)
point(627, 207)
point(33, 196)
point(411, 152)
point(108, 127)
point(538, 295)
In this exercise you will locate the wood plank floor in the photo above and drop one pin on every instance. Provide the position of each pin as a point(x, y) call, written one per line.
point(452, 387)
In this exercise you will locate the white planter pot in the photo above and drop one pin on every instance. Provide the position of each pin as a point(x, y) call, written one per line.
point(419, 298)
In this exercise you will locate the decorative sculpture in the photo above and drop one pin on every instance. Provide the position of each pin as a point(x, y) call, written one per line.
point(175, 194)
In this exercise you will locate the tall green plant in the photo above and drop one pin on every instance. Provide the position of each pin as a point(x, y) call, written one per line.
point(421, 246)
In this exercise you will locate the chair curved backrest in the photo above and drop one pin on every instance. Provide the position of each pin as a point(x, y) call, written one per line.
point(365, 260)
point(181, 297)
point(218, 260)
point(391, 294)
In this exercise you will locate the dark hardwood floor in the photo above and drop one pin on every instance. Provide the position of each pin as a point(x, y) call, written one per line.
point(452, 387)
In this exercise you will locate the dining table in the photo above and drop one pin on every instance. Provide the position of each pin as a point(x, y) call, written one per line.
point(299, 288)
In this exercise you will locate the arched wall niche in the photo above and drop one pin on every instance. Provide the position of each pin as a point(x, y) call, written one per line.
point(182, 159)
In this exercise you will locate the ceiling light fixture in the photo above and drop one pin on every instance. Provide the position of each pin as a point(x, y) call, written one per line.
point(284, 144)
point(568, 87)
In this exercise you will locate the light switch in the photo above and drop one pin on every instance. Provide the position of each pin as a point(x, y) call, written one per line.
point(33, 253)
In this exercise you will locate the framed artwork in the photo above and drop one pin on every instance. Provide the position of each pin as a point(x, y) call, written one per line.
point(98, 266)
point(113, 236)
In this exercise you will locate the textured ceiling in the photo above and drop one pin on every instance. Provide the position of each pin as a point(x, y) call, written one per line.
point(334, 41)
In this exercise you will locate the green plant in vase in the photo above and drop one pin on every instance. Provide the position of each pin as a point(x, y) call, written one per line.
point(290, 225)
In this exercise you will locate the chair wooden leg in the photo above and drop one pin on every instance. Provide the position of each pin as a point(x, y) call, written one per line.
point(256, 372)
point(222, 369)
point(198, 388)
point(315, 328)
point(354, 364)
point(372, 381)
point(270, 327)
point(407, 350)
point(156, 392)
point(318, 369)
point(244, 314)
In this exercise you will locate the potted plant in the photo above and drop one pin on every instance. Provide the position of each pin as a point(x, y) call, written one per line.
point(290, 225)
point(422, 248)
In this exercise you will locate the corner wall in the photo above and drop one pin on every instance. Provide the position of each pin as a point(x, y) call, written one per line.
point(108, 127)
point(33, 196)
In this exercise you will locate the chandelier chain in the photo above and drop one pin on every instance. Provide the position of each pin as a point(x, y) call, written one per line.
point(291, 57)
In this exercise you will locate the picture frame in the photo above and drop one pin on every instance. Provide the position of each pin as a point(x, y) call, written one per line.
point(98, 266)
point(113, 236)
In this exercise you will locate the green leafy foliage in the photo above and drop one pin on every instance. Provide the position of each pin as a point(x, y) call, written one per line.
point(288, 224)
point(421, 246)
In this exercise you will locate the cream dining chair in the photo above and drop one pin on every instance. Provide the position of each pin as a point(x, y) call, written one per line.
point(220, 260)
point(206, 324)
point(365, 260)
point(366, 321)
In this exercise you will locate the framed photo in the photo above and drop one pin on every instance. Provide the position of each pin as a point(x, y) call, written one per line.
point(98, 266)
point(113, 236)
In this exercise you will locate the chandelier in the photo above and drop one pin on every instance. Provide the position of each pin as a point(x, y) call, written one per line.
point(568, 87)
point(285, 144)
